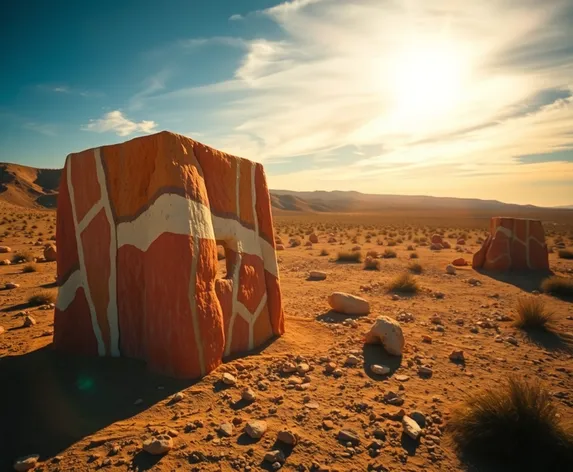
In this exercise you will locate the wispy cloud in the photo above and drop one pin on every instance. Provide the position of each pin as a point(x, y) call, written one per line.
point(116, 122)
point(46, 129)
point(67, 90)
point(443, 88)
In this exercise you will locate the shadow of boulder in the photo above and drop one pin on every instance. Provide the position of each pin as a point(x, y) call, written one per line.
point(50, 400)
point(336, 317)
point(376, 354)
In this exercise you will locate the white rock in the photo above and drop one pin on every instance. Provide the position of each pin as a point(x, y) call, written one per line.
point(388, 332)
point(287, 437)
point(228, 379)
point(158, 445)
point(248, 395)
point(317, 275)
point(352, 360)
point(26, 463)
point(11, 285)
point(450, 269)
point(380, 369)
point(411, 428)
point(275, 456)
point(348, 304)
point(255, 429)
point(226, 430)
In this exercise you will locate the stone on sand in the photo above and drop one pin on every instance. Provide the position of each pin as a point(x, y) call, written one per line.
point(388, 332)
point(348, 304)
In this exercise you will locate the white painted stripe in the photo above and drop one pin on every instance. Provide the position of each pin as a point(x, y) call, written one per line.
point(254, 319)
point(67, 292)
point(112, 315)
point(167, 215)
point(234, 307)
point(84, 282)
point(92, 212)
point(193, 305)
point(170, 213)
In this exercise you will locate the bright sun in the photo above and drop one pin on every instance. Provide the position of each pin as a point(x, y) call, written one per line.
point(426, 81)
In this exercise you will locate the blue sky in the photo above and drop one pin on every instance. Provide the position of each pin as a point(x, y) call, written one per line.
point(383, 96)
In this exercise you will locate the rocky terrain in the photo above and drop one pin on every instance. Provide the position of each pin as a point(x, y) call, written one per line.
point(320, 397)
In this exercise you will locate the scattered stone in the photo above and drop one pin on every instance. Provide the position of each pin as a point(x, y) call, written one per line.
point(287, 437)
point(460, 262)
point(328, 424)
point(302, 368)
point(439, 295)
point(288, 368)
point(387, 332)
point(11, 285)
point(425, 371)
point(248, 395)
point(317, 275)
point(256, 428)
point(158, 445)
point(4, 249)
point(457, 356)
point(6, 262)
point(450, 269)
point(29, 321)
point(348, 304)
point(177, 397)
point(226, 430)
point(402, 378)
point(435, 319)
point(26, 463)
point(280, 247)
point(405, 317)
point(512, 340)
point(474, 282)
point(275, 456)
point(379, 369)
point(228, 379)
point(352, 360)
point(313, 238)
point(50, 252)
point(411, 428)
point(426, 339)
point(348, 436)
point(330, 367)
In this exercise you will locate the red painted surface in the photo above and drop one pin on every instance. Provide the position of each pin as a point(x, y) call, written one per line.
point(67, 256)
point(86, 187)
point(73, 332)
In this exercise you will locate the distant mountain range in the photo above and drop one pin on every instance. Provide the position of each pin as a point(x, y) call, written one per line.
point(31, 187)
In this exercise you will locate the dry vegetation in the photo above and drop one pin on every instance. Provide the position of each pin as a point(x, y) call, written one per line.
point(519, 424)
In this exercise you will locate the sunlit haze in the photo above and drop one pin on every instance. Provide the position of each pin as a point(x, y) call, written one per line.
point(443, 97)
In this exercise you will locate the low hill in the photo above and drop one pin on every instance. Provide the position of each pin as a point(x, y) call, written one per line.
point(31, 187)
point(28, 186)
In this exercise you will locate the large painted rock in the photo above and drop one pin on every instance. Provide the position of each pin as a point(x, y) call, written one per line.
point(138, 225)
point(513, 244)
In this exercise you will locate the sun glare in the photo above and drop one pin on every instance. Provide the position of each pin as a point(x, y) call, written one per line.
point(426, 82)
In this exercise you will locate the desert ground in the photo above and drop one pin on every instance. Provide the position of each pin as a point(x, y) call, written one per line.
point(81, 414)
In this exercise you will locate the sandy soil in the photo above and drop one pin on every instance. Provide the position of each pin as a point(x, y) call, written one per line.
point(88, 413)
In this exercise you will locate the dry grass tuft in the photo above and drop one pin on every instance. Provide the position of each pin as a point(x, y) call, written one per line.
point(349, 256)
point(28, 268)
point(404, 283)
point(416, 268)
point(324, 252)
point(41, 298)
point(531, 313)
point(371, 264)
point(558, 286)
point(389, 254)
point(23, 255)
point(414, 255)
point(514, 424)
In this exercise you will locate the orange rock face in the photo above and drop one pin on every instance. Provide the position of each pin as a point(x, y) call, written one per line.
point(513, 244)
point(137, 231)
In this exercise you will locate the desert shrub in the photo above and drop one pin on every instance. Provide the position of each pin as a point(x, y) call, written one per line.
point(404, 283)
point(414, 255)
point(423, 239)
point(565, 254)
point(410, 248)
point(391, 243)
point(324, 252)
point(558, 286)
point(415, 267)
point(513, 424)
point(531, 313)
point(23, 255)
point(349, 256)
point(294, 242)
point(32, 267)
point(41, 298)
point(371, 264)
point(389, 254)
point(372, 253)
